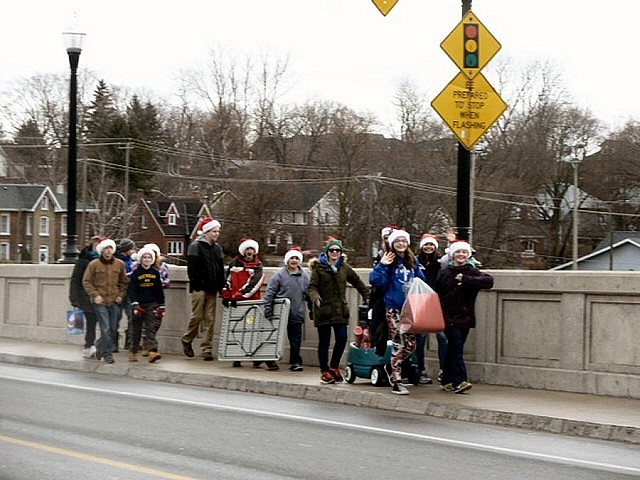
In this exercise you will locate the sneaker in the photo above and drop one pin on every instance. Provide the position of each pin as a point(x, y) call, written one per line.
point(98, 355)
point(187, 349)
point(399, 389)
point(447, 387)
point(86, 352)
point(271, 365)
point(206, 356)
point(462, 387)
point(153, 356)
point(237, 364)
point(132, 356)
point(425, 379)
point(440, 376)
point(296, 367)
point(109, 359)
point(326, 378)
point(335, 372)
point(257, 364)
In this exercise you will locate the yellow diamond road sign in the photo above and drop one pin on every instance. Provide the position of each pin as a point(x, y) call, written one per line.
point(385, 6)
point(469, 107)
point(470, 45)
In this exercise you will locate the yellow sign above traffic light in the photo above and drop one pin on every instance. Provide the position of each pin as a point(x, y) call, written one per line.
point(469, 107)
point(385, 6)
point(470, 45)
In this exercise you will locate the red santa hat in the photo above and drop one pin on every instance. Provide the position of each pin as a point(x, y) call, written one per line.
point(428, 238)
point(386, 231)
point(104, 243)
point(247, 243)
point(294, 252)
point(208, 224)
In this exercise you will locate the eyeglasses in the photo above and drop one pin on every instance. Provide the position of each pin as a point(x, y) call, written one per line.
point(335, 250)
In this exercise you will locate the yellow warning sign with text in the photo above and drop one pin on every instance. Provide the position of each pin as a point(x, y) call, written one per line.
point(469, 107)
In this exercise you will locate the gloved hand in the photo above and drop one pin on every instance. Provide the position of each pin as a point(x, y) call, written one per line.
point(160, 311)
point(237, 295)
point(137, 309)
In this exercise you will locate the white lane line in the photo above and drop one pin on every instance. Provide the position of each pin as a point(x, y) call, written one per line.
point(364, 428)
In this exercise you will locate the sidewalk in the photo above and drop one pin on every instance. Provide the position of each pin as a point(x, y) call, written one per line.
point(593, 416)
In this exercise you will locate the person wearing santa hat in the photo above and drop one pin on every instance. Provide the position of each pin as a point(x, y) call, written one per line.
point(244, 278)
point(106, 282)
point(393, 275)
point(205, 269)
point(147, 302)
point(291, 282)
point(457, 286)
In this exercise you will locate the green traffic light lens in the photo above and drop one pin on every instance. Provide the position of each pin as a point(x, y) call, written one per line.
point(471, 60)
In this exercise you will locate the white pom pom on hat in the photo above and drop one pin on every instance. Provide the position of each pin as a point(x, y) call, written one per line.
point(428, 238)
point(104, 243)
point(396, 234)
point(459, 245)
point(248, 243)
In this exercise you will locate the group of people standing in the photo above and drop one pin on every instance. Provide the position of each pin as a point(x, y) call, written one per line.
point(322, 291)
point(109, 281)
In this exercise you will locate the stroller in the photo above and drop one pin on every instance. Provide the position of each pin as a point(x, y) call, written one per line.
point(364, 362)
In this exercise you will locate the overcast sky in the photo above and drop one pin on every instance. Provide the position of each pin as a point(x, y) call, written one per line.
point(342, 50)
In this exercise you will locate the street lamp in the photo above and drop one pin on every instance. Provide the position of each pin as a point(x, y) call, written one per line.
point(575, 158)
point(73, 42)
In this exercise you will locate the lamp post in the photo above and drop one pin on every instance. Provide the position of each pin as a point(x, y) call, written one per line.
point(575, 158)
point(73, 41)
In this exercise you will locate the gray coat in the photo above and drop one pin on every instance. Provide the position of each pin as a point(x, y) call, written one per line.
point(293, 286)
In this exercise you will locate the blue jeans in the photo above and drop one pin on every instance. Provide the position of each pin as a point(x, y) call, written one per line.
point(421, 343)
point(324, 338)
point(294, 334)
point(455, 370)
point(108, 317)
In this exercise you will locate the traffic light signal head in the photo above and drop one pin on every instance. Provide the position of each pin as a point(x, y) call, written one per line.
point(471, 45)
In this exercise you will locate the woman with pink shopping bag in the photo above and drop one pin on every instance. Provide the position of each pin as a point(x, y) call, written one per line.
point(393, 275)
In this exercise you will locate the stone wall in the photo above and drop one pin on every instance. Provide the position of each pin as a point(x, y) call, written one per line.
point(569, 331)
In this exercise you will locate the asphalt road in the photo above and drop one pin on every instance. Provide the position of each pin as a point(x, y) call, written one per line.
point(70, 425)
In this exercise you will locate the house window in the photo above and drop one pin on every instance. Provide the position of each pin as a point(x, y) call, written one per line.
point(4, 251)
point(272, 241)
point(5, 224)
point(44, 205)
point(63, 226)
point(44, 226)
point(143, 222)
point(299, 218)
point(172, 218)
point(29, 225)
point(175, 248)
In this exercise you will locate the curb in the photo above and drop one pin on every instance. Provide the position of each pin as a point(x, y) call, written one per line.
point(382, 401)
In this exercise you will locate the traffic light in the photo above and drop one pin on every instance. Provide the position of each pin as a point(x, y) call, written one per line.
point(471, 45)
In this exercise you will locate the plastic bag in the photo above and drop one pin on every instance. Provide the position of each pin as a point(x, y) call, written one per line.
point(75, 321)
point(421, 311)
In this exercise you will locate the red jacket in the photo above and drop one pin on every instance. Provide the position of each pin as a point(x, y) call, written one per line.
point(244, 279)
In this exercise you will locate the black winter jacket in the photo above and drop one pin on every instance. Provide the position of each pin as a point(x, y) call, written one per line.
point(458, 298)
point(78, 296)
point(205, 266)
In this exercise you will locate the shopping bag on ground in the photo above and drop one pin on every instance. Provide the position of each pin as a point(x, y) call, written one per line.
point(421, 312)
point(75, 321)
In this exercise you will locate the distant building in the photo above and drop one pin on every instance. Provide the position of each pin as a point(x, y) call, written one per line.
point(619, 251)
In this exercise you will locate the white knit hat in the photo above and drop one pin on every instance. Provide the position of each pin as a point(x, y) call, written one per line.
point(146, 251)
point(428, 238)
point(154, 247)
point(396, 234)
point(248, 243)
point(294, 252)
point(459, 245)
point(104, 243)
